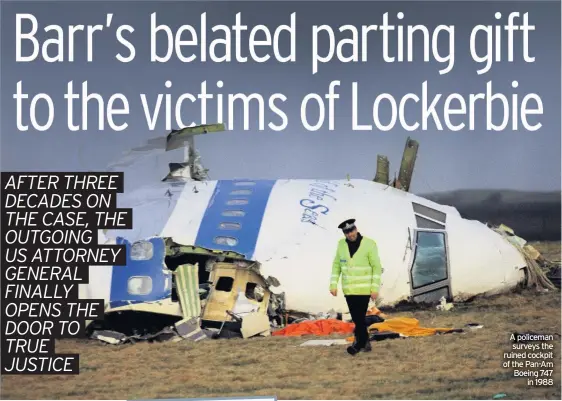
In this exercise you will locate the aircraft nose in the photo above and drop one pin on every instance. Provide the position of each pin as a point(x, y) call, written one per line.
point(483, 260)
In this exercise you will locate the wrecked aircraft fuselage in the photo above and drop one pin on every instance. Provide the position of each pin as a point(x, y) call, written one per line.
point(199, 249)
point(142, 297)
point(287, 229)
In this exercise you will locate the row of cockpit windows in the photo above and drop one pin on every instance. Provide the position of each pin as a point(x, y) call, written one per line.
point(237, 200)
point(429, 218)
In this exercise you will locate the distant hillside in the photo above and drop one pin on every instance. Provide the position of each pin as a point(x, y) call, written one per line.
point(534, 216)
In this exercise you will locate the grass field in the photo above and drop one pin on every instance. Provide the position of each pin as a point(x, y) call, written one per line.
point(451, 366)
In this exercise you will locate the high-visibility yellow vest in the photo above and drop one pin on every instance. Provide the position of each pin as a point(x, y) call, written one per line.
point(361, 274)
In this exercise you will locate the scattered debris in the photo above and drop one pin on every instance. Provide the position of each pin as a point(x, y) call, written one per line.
point(384, 335)
point(237, 287)
point(205, 294)
point(444, 305)
point(190, 329)
point(254, 324)
point(538, 270)
point(331, 314)
point(108, 336)
point(325, 343)
point(116, 338)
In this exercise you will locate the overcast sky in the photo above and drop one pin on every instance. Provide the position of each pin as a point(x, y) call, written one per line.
point(446, 160)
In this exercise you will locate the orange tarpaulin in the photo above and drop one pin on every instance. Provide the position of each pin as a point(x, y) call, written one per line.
point(316, 327)
point(323, 327)
point(406, 326)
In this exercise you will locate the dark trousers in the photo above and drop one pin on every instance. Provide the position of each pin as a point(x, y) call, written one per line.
point(358, 305)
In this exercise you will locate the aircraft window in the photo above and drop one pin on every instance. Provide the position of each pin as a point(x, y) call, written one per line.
point(233, 213)
point(430, 260)
point(139, 285)
point(422, 222)
point(251, 290)
point(244, 183)
point(237, 202)
point(229, 226)
point(255, 292)
point(432, 296)
point(241, 192)
point(142, 250)
point(224, 284)
point(429, 212)
point(226, 241)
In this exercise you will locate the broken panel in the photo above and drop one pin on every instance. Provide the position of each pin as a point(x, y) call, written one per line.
point(187, 287)
point(407, 164)
point(231, 285)
point(177, 138)
point(381, 175)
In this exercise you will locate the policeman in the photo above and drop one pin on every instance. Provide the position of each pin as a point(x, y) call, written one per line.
point(357, 261)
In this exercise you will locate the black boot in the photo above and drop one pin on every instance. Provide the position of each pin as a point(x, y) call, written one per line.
point(367, 347)
point(353, 350)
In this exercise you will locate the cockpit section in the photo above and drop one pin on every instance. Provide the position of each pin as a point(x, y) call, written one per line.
point(145, 296)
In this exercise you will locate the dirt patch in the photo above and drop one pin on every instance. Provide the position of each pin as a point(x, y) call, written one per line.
point(450, 366)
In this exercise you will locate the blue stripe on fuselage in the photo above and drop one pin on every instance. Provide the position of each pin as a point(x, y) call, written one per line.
point(247, 234)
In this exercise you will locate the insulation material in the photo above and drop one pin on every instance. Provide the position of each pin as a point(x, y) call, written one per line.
point(243, 306)
point(532, 252)
point(187, 283)
point(536, 277)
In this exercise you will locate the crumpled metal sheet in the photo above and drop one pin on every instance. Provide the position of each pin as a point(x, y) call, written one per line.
point(184, 329)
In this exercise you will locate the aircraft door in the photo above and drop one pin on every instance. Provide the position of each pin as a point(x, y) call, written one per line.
point(430, 277)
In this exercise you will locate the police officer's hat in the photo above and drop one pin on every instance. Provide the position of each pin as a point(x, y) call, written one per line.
point(347, 226)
